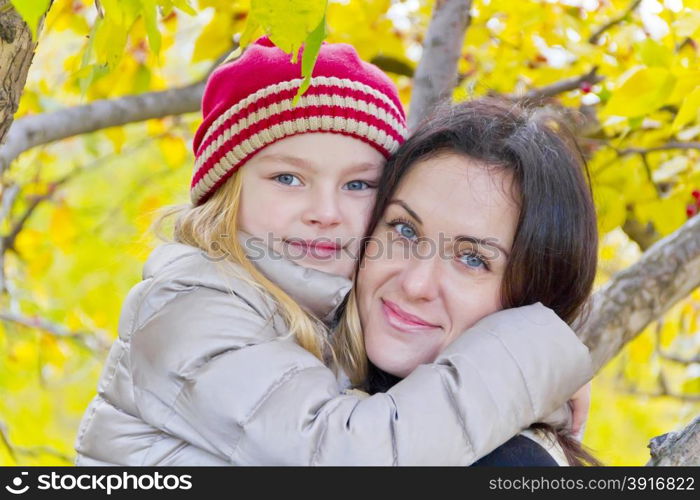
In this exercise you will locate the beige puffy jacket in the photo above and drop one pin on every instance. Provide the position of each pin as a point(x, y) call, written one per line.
point(204, 373)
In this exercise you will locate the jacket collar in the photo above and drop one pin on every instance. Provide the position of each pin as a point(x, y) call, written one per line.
point(318, 292)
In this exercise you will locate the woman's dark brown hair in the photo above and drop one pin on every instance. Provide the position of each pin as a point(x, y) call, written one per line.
point(554, 254)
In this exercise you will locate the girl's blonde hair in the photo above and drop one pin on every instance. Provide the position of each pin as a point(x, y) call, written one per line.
point(349, 344)
point(213, 225)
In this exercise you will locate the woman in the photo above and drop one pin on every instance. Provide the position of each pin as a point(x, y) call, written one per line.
point(486, 207)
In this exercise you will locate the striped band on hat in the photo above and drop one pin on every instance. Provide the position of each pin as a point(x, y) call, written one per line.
point(331, 104)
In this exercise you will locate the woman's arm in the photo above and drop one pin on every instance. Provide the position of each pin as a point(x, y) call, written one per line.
point(210, 370)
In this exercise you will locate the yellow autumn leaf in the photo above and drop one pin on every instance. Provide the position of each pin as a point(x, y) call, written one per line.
point(214, 39)
point(610, 207)
point(173, 150)
point(117, 137)
point(644, 91)
point(63, 230)
point(666, 214)
point(689, 111)
point(23, 352)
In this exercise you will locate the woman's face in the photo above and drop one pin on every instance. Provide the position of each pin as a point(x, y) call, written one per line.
point(435, 263)
point(309, 197)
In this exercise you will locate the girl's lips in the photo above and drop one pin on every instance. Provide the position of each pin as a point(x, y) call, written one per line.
point(322, 249)
point(401, 320)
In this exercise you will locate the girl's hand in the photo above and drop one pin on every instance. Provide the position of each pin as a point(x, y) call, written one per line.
point(580, 403)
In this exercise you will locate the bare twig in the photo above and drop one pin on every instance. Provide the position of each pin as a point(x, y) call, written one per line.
point(661, 393)
point(97, 341)
point(29, 451)
point(561, 86)
point(617, 20)
point(9, 195)
point(6, 441)
point(663, 147)
point(679, 359)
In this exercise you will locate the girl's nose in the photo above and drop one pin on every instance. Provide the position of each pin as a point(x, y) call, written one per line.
point(323, 209)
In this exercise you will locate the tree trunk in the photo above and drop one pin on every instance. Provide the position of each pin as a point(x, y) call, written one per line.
point(16, 53)
point(436, 75)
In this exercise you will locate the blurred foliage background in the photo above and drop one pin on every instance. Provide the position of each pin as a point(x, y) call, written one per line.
point(75, 213)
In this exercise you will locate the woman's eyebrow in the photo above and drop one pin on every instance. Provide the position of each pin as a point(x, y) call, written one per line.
point(487, 242)
point(403, 204)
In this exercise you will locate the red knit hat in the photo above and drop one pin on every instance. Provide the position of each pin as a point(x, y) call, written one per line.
point(247, 105)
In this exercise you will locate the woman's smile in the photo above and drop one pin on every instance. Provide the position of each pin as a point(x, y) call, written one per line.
point(404, 321)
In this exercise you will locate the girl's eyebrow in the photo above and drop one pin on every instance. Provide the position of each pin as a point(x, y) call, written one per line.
point(405, 206)
point(289, 159)
point(302, 163)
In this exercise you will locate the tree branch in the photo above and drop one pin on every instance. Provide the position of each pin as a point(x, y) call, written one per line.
point(436, 74)
point(33, 451)
point(677, 448)
point(561, 86)
point(679, 359)
point(617, 20)
point(664, 147)
point(666, 273)
point(95, 341)
point(31, 131)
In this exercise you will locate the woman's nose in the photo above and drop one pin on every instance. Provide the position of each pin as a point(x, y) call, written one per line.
point(323, 209)
point(420, 279)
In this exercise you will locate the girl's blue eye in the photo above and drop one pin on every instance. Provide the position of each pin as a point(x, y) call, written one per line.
point(357, 185)
point(405, 230)
point(288, 179)
point(473, 261)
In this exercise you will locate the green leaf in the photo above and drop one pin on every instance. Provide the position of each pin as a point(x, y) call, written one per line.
point(643, 92)
point(312, 47)
point(288, 22)
point(31, 11)
point(652, 53)
point(150, 16)
point(691, 386)
point(110, 41)
point(184, 6)
point(251, 28)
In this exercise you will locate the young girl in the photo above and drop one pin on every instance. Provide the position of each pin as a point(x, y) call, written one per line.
point(222, 352)
point(505, 191)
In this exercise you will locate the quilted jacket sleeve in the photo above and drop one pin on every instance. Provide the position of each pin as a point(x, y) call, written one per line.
point(210, 369)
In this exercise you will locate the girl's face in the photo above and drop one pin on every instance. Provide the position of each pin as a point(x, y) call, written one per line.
point(309, 196)
point(435, 263)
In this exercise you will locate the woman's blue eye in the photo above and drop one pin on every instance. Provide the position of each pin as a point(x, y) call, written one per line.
point(473, 261)
point(357, 185)
point(288, 179)
point(405, 230)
